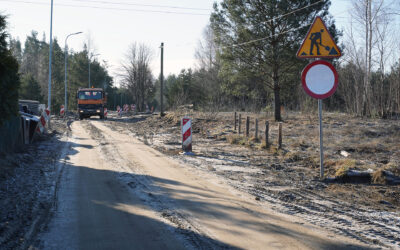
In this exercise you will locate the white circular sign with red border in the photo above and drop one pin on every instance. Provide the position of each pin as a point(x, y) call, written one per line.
point(319, 79)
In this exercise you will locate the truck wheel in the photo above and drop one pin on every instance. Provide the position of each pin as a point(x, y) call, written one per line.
point(101, 117)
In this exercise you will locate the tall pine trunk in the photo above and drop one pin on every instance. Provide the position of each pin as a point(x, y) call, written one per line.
point(275, 78)
point(277, 100)
point(277, 97)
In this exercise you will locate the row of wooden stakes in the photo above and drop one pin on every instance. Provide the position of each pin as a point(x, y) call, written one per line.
point(238, 127)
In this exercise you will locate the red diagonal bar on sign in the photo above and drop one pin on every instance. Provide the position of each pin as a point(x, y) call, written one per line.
point(186, 134)
point(43, 121)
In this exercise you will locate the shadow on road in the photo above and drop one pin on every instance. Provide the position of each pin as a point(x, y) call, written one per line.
point(103, 209)
point(106, 203)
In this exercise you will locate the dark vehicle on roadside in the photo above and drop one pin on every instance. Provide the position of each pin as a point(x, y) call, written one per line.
point(91, 102)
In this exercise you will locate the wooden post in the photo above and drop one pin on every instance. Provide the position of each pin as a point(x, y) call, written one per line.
point(247, 126)
point(256, 125)
point(235, 121)
point(266, 133)
point(280, 135)
point(240, 123)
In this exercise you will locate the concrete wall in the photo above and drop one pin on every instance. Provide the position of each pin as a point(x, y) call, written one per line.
point(10, 135)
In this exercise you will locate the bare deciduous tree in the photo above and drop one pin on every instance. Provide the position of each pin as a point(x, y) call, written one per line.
point(371, 21)
point(136, 74)
point(206, 52)
point(208, 66)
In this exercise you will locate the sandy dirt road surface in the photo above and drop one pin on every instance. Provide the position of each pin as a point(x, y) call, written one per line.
point(117, 193)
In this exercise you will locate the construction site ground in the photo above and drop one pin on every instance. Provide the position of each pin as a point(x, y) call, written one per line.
point(354, 211)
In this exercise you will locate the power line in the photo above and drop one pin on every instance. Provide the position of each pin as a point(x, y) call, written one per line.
point(264, 38)
point(294, 11)
point(272, 19)
point(144, 5)
point(108, 8)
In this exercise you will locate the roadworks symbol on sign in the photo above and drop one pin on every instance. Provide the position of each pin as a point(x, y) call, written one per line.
point(318, 42)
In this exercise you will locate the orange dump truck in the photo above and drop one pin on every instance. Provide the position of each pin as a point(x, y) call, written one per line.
point(91, 102)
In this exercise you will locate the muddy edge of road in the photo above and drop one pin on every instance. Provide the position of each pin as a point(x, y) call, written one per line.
point(29, 181)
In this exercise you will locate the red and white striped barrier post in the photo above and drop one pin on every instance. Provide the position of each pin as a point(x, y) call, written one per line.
point(44, 118)
point(132, 107)
point(105, 112)
point(187, 135)
point(46, 114)
point(119, 110)
point(126, 107)
point(62, 111)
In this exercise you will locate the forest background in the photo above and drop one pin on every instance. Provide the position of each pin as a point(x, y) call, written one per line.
point(245, 61)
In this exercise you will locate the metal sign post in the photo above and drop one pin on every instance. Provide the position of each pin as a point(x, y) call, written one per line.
point(320, 80)
point(321, 145)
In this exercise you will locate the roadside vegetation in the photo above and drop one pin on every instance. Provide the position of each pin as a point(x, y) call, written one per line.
point(9, 78)
point(245, 62)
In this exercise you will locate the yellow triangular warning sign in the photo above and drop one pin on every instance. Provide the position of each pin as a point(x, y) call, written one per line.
point(318, 42)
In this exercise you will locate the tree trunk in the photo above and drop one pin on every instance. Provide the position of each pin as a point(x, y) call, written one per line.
point(365, 96)
point(277, 100)
point(370, 19)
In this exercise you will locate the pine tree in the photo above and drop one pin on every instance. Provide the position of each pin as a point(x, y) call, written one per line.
point(258, 40)
point(30, 89)
point(9, 78)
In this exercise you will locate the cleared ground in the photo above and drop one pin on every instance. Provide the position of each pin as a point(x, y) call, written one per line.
point(288, 178)
point(121, 183)
point(117, 192)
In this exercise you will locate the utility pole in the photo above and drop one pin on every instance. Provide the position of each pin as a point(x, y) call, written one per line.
point(50, 57)
point(162, 80)
point(90, 58)
point(65, 70)
point(89, 73)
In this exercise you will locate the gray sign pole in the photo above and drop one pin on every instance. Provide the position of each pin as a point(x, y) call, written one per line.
point(162, 81)
point(321, 145)
point(50, 57)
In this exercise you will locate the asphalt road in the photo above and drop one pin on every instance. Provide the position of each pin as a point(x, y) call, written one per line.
point(117, 193)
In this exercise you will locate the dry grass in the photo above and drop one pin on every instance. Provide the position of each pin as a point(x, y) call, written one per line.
point(311, 161)
point(393, 167)
point(263, 145)
point(350, 163)
point(342, 172)
point(370, 147)
point(293, 157)
point(299, 143)
point(254, 140)
point(246, 141)
point(379, 177)
point(237, 139)
point(336, 167)
point(173, 117)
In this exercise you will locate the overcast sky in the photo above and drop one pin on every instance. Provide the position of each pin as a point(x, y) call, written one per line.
point(114, 24)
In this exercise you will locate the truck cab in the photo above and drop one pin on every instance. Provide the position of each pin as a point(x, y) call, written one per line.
point(91, 102)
